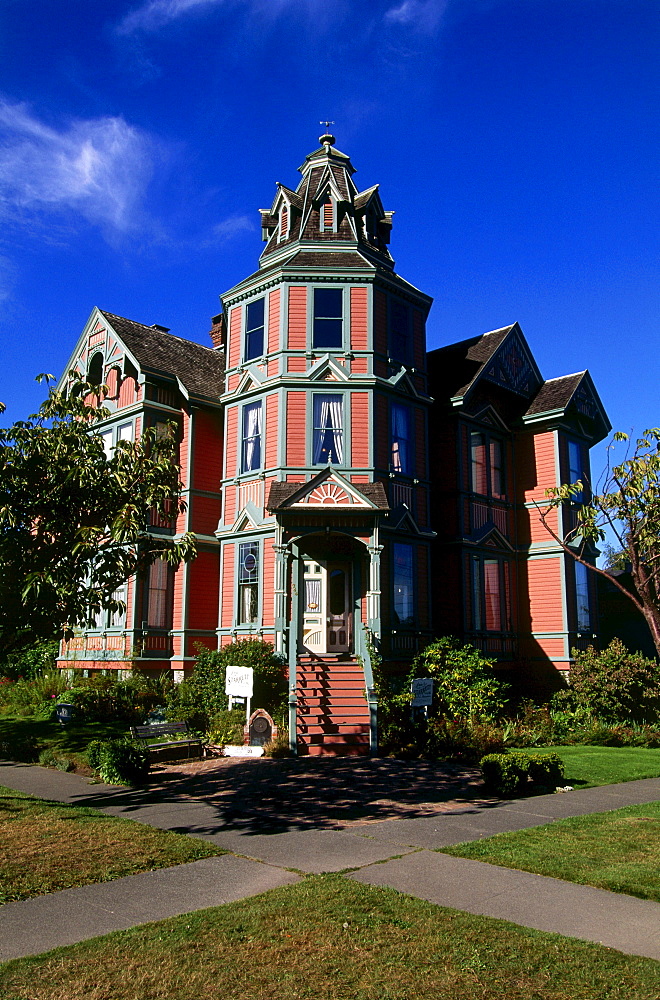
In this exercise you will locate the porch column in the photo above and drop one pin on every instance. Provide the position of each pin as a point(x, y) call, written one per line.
point(373, 593)
point(280, 597)
point(293, 650)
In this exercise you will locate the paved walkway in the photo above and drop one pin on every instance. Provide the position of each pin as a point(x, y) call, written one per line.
point(270, 844)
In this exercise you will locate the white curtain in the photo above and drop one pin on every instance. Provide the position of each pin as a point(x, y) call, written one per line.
point(328, 445)
point(253, 437)
point(313, 596)
point(399, 438)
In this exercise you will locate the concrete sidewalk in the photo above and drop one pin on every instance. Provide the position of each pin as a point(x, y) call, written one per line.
point(386, 852)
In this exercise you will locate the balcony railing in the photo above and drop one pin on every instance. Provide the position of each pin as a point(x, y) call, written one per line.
point(401, 493)
point(253, 492)
point(149, 643)
point(483, 513)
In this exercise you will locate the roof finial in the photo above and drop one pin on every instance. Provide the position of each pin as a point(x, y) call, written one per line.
point(327, 139)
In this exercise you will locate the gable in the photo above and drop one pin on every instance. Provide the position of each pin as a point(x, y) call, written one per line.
point(513, 367)
point(334, 491)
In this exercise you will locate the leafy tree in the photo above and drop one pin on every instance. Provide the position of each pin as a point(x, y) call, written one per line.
point(72, 521)
point(627, 503)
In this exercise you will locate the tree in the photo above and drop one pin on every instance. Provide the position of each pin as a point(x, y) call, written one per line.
point(627, 503)
point(73, 521)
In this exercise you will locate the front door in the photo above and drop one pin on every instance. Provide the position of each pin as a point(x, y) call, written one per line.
point(327, 618)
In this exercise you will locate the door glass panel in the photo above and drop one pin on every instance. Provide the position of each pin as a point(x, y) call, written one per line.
point(337, 597)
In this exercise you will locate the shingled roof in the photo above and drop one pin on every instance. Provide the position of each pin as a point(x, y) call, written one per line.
point(459, 365)
point(281, 492)
point(200, 369)
point(555, 394)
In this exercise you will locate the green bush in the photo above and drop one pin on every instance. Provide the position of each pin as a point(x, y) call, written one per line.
point(22, 748)
point(615, 685)
point(119, 762)
point(30, 662)
point(200, 698)
point(227, 728)
point(50, 758)
point(465, 685)
point(104, 699)
point(462, 739)
point(35, 696)
point(506, 774)
point(546, 769)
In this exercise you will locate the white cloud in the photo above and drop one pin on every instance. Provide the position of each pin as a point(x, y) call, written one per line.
point(155, 13)
point(230, 227)
point(424, 15)
point(98, 168)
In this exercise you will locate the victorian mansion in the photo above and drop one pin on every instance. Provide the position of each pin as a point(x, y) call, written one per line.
point(343, 484)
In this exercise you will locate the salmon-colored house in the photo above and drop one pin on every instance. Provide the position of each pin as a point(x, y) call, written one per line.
point(344, 485)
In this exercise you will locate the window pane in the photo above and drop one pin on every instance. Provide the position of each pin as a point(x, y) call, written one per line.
point(254, 330)
point(477, 592)
point(403, 584)
point(158, 585)
point(125, 432)
point(248, 582)
point(478, 461)
point(251, 450)
point(106, 438)
point(400, 417)
point(582, 596)
point(492, 595)
point(328, 429)
point(328, 313)
point(399, 346)
point(496, 469)
point(337, 592)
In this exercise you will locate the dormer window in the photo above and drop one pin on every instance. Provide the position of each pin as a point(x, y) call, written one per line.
point(284, 222)
point(328, 215)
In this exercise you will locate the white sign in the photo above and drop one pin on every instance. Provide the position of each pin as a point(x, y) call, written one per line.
point(243, 751)
point(238, 682)
point(422, 692)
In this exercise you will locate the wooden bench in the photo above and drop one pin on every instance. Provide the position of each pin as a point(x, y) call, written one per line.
point(171, 749)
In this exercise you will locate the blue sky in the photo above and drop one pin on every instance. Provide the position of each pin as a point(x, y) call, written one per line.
point(516, 140)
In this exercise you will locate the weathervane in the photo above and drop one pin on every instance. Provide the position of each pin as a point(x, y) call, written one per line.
point(327, 124)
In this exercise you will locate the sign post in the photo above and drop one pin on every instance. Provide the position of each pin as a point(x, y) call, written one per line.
point(239, 684)
point(422, 694)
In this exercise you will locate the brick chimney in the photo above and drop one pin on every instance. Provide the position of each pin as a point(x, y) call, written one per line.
point(217, 331)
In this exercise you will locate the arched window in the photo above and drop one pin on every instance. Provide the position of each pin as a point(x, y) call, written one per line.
point(327, 214)
point(95, 369)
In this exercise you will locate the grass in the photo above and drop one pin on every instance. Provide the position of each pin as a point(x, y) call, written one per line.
point(46, 846)
point(27, 736)
point(330, 938)
point(587, 767)
point(617, 850)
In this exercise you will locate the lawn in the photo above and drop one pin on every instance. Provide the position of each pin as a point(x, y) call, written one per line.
point(22, 738)
point(587, 767)
point(46, 846)
point(334, 939)
point(617, 850)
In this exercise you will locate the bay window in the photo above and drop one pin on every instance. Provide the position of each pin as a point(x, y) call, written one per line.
point(328, 445)
point(251, 443)
point(490, 604)
point(254, 330)
point(400, 438)
point(487, 465)
point(403, 580)
point(248, 582)
point(328, 317)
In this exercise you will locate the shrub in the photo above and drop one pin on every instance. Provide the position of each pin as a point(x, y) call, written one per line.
point(546, 769)
point(200, 698)
point(227, 728)
point(279, 746)
point(615, 685)
point(463, 739)
point(465, 684)
point(23, 748)
point(505, 774)
point(35, 696)
point(30, 662)
point(118, 762)
point(103, 699)
point(50, 758)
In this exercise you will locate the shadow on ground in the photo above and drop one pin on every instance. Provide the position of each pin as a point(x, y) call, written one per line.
point(273, 796)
